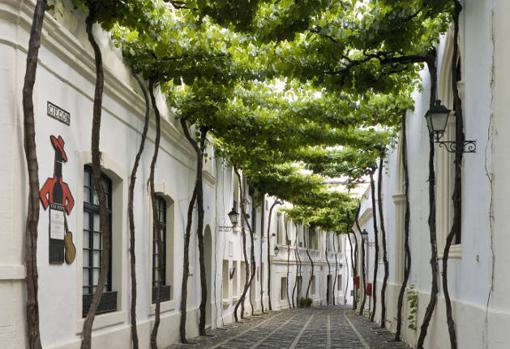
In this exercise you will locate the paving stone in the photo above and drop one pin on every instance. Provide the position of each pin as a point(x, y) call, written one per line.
point(330, 327)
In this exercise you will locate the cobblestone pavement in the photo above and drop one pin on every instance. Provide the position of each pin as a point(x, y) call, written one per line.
point(314, 328)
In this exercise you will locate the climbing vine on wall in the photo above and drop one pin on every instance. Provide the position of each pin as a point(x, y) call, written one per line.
point(412, 304)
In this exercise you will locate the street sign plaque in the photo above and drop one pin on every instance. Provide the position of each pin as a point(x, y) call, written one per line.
point(58, 113)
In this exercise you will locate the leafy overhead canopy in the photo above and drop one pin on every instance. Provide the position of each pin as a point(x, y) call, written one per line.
point(360, 45)
point(287, 182)
point(347, 161)
point(334, 213)
point(236, 13)
point(286, 87)
point(180, 49)
point(134, 13)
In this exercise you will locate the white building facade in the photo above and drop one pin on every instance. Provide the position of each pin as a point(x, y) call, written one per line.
point(63, 98)
point(478, 261)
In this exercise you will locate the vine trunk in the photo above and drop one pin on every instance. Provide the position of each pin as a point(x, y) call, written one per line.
point(383, 241)
point(156, 230)
point(96, 174)
point(431, 222)
point(407, 264)
point(132, 235)
point(32, 220)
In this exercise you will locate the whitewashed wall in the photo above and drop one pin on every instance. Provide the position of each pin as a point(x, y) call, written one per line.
point(281, 266)
point(65, 77)
point(480, 260)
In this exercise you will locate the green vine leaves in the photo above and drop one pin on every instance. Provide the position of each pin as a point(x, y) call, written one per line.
point(283, 87)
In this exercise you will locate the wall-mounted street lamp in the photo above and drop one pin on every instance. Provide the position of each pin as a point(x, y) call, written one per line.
point(364, 234)
point(276, 251)
point(233, 216)
point(234, 219)
point(437, 121)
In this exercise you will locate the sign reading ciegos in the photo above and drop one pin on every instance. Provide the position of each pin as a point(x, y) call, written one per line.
point(58, 113)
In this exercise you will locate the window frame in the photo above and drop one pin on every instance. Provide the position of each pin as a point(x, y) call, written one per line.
point(161, 202)
point(279, 236)
point(165, 288)
point(283, 288)
point(299, 284)
point(108, 301)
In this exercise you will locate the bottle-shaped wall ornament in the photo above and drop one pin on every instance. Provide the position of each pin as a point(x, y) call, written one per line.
point(57, 198)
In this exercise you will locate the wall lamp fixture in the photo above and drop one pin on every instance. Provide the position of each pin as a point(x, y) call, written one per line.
point(437, 121)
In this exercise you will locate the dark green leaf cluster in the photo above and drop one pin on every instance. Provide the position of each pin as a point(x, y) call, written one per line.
point(133, 13)
point(334, 213)
point(293, 92)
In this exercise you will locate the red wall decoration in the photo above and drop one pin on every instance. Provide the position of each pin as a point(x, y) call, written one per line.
point(56, 195)
point(369, 289)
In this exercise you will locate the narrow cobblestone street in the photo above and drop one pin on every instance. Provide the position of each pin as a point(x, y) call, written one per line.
point(324, 327)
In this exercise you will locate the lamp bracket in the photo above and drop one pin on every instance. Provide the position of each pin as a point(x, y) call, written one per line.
point(451, 146)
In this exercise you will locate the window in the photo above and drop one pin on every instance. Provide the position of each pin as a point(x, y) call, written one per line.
point(279, 237)
point(262, 273)
point(243, 276)
point(283, 288)
point(164, 290)
point(235, 193)
point(314, 245)
point(299, 284)
point(93, 245)
point(313, 285)
point(339, 283)
point(234, 276)
point(226, 278)
point(285, 231)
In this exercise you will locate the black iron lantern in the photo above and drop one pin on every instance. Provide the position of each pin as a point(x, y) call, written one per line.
point(437, 120)
point(276, 251)
point(233, 216)
point(364, 234)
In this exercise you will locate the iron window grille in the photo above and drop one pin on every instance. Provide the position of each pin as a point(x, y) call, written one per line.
point(283, 288)
point(93, 245)
point(164, 289)
point(299, 284)
point(279, 238)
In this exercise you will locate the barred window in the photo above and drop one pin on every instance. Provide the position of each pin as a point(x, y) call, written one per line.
point(161, 212)
point(93, 245)
point(283, 288)
point(279, 237)
point(157, 272)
